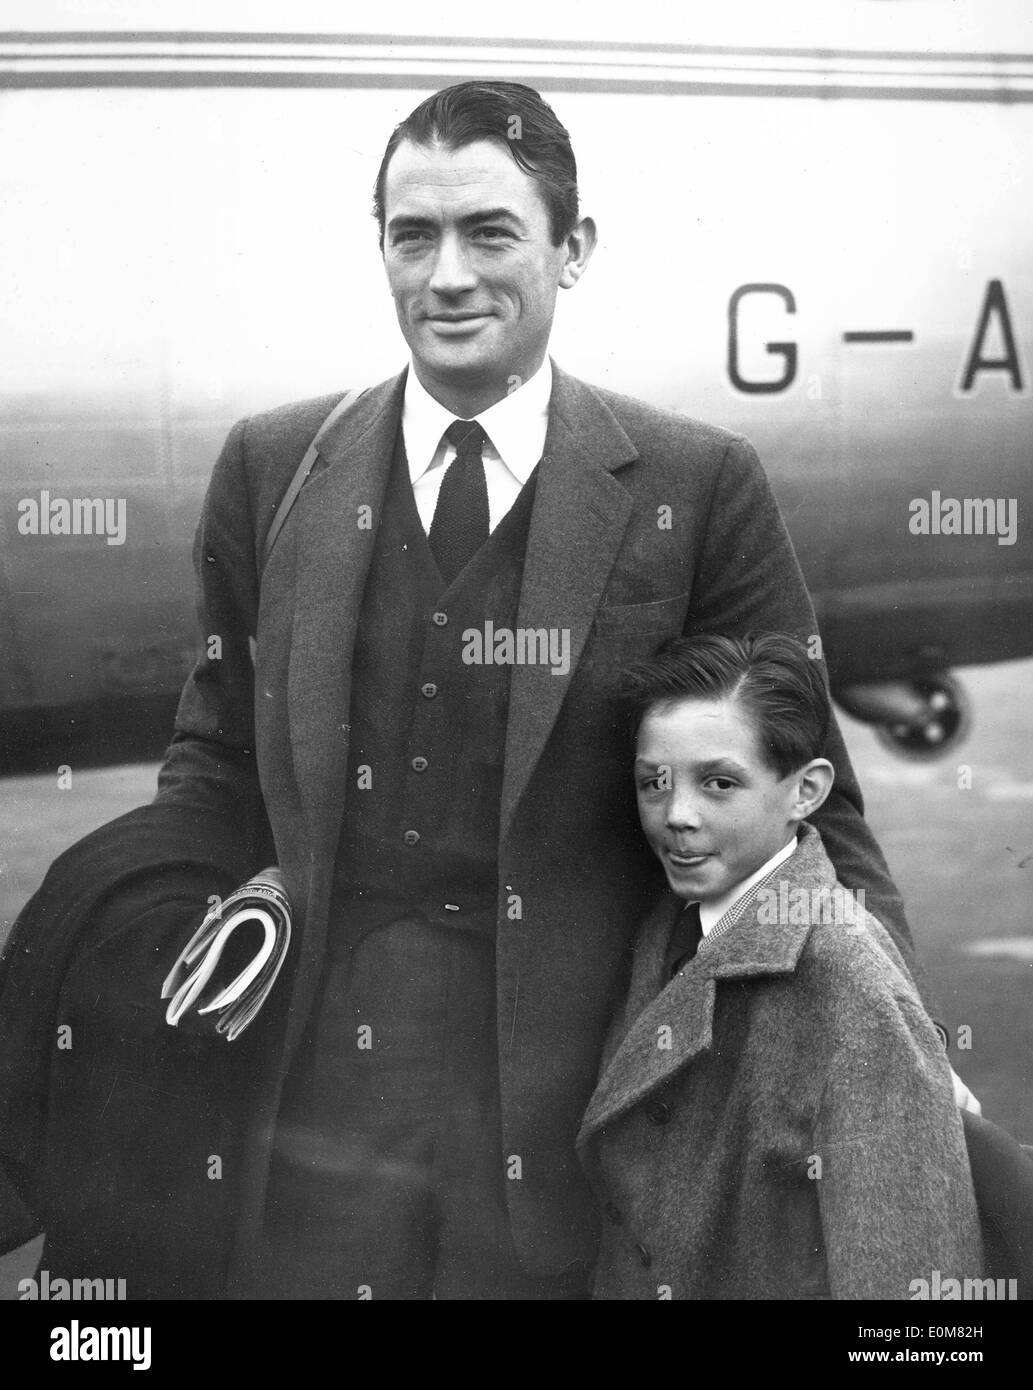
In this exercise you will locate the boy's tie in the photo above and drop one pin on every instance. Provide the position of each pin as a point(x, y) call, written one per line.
point(461, 522)
point(686, 934)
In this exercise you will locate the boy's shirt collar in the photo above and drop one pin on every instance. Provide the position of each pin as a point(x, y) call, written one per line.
point(713, 913)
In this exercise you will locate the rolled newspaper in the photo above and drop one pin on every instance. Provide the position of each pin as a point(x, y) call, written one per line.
point(207, 977)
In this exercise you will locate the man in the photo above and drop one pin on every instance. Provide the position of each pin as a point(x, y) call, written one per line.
point(428, 745)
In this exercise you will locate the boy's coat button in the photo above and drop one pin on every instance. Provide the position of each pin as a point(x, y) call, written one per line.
point(659, 1113)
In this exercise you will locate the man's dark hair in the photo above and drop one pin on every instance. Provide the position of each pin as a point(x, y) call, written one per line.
point(769, 673)
point(510, 115)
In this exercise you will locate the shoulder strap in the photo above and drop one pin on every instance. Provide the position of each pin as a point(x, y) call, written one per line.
point(304, 469)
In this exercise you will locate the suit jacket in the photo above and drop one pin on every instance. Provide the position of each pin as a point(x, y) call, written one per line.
point(778, 1121)
point(645, 525)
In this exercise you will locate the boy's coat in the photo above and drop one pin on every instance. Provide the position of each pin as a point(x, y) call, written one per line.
point(778, 1121)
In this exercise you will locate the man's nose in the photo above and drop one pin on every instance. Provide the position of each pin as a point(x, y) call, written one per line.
point(452, 272)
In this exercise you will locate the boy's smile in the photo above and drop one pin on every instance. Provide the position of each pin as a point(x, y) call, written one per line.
point(711, 807)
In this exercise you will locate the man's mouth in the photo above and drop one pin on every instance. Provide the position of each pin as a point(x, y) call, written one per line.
point(457, 325)
point(466, 316)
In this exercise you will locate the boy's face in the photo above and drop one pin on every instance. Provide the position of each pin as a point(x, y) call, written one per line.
point(711, 807)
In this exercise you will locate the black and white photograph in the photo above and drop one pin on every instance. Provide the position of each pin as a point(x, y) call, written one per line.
point(516, 661)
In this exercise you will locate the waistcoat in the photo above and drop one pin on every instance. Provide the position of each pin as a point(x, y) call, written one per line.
point(428, 723)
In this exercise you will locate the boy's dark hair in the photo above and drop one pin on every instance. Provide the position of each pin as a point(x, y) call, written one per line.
point(510, 115)
point(770, 673)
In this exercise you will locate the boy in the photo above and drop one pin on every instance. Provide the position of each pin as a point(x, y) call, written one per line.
point(774, 1116)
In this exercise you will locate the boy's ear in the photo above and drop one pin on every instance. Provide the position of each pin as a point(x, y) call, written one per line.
point(813, 784)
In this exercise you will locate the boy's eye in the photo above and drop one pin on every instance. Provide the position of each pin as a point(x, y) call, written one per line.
point(721, 784)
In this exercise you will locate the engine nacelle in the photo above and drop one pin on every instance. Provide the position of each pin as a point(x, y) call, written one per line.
point(923, 718)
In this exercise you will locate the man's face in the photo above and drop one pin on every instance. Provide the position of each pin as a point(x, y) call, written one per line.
point(471, 266)
point(712, 809)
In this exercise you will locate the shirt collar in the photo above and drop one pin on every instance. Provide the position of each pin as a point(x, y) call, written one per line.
point(710, 913)
point(516, 425)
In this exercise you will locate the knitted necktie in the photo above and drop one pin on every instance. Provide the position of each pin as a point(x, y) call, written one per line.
point(686, 934)
point(461, 524)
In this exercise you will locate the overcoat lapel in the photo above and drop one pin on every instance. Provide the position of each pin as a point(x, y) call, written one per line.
point(334, 553)
point(665, 1031)
point(578, 522)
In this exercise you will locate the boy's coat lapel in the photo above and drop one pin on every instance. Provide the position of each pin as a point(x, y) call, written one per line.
point(665, 1031)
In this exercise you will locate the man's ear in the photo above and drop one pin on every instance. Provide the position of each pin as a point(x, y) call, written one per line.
point(813, 784)
point(579, 247)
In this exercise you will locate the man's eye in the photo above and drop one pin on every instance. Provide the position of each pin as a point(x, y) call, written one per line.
point(651, 784)
point(491, 233)
point(410, 235)
point(721, 784)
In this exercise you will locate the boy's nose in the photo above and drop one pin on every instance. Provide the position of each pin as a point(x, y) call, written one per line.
point(683, 814)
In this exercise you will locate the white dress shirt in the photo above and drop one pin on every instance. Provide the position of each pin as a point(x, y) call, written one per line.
point(711, 913)
point(515, 426)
